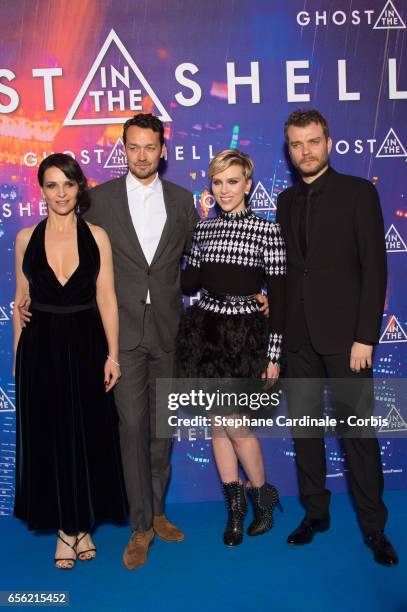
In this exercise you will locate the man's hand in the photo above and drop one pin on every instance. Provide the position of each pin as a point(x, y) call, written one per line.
point(360, 356)
point(262, 299)
point(23, 312)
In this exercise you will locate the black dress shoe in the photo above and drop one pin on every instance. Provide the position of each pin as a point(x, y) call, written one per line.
point(304, 534)
point(383, 551)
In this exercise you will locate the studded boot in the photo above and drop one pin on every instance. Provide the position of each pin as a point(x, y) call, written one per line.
point(237, 510)
point(265, 499)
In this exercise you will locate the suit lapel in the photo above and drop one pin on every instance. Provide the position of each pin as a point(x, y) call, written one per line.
point(170, 208)
point(295, 216)
point(123, 216)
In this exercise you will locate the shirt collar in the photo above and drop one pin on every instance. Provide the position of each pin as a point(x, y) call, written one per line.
point(247, 212)
point(132, 184)
point(317, 185)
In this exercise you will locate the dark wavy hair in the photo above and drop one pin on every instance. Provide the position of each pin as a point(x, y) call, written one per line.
point(303, 117)
point(146, 121)
point(72, 170)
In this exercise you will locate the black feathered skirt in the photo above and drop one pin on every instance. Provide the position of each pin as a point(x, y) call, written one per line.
point(222, 337)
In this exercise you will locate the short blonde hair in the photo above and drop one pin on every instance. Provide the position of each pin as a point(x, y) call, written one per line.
point(229, 157)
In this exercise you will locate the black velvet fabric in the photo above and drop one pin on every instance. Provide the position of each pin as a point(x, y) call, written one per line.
point(213, 345)
point(68, 472)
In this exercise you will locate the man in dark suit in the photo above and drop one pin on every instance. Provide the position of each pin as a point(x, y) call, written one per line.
point(336, 281)
point(150, 223)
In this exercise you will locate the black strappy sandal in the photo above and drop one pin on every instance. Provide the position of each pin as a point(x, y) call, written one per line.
point(69, 560)
point(83, 552)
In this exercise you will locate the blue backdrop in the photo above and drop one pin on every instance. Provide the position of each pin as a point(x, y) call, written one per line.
point(219, 73)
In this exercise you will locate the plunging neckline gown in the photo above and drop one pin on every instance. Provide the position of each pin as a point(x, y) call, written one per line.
point(68, 468)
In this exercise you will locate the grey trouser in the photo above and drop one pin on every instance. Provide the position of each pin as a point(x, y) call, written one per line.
point(146, 459)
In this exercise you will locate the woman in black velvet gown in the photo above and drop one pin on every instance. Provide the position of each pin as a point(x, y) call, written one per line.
point(68, 472)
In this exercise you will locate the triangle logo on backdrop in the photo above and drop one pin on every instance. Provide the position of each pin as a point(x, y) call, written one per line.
point(6, 404)
point(117, 157)
point(261, 199)
point(3, 315)
point(394, 242)
point(112, 92)
point(395, 422)
point(391, 146)
point(393, 333)
point(389, 18)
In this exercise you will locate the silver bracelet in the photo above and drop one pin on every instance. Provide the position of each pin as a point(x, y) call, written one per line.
point(113, 361)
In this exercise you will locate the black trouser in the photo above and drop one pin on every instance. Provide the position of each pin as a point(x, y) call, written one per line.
point(146, 458)
point(362, 453)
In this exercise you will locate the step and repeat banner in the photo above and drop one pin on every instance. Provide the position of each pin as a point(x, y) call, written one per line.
point(219, 73)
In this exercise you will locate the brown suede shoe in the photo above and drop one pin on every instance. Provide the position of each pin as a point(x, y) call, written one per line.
point(135, 554)
point(166, 530)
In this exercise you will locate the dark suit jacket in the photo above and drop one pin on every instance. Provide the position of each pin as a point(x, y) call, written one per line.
point(340, 286)
point(133, 276)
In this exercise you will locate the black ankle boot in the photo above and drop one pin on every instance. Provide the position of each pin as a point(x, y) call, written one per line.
point(264, 499)
point(237, 509)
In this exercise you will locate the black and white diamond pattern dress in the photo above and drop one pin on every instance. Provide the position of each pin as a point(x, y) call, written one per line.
point(224, 335)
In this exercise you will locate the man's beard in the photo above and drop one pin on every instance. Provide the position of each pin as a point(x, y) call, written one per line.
point(314, 171)
point(141, 173)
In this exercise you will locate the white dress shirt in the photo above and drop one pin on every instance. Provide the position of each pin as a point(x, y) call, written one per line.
point(147, 210)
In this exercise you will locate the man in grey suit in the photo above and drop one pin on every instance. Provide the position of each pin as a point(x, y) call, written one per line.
point(150, 223)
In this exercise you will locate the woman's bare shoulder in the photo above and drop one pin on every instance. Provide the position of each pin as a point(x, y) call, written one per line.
point(24, 235)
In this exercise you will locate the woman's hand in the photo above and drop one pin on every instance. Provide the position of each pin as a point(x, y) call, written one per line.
point(272, 372)
point(112, 374)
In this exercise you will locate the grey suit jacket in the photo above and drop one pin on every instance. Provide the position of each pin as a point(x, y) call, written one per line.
point(133, 276)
